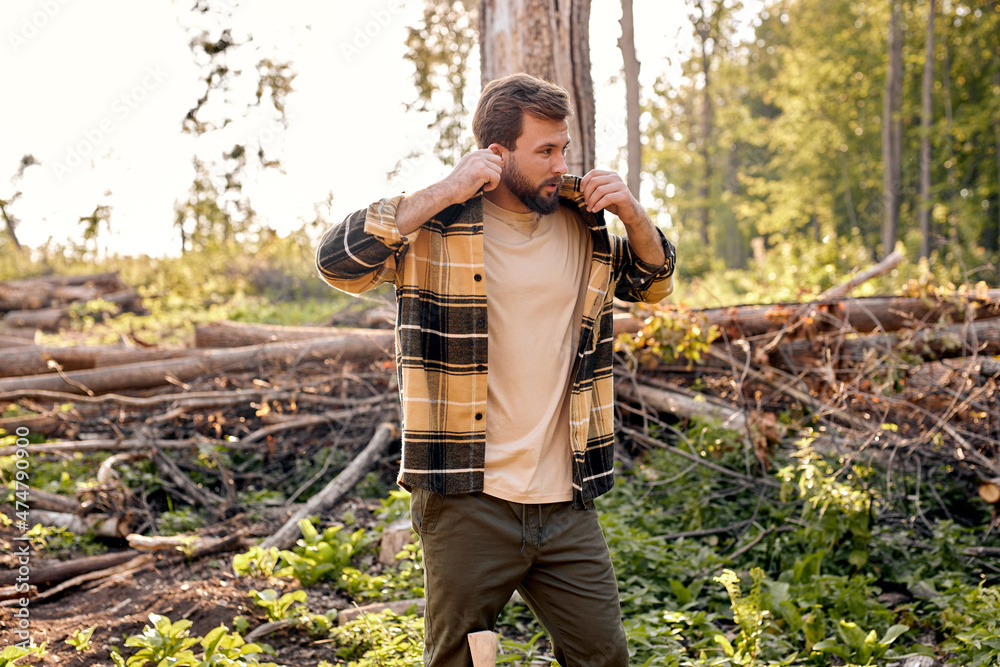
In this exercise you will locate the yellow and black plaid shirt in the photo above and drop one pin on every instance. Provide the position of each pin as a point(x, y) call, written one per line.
point(441, 335)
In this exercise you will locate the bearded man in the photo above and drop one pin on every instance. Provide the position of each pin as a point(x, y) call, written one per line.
point(505, 275)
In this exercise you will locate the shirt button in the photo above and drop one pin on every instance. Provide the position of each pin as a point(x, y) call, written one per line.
point(479, 416)
point(481, 368)
point(477, 277)
point(481, 322)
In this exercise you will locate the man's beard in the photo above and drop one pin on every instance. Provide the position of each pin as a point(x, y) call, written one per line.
point(530, 196)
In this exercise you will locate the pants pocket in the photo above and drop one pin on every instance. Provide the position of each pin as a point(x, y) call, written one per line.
point(425, 508)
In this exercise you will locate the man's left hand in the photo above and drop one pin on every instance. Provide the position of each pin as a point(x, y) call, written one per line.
point(606, 190)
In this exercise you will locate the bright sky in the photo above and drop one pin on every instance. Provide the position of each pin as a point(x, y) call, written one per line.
point(96, 91)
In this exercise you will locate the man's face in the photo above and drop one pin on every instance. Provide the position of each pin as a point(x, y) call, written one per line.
point(533, 170)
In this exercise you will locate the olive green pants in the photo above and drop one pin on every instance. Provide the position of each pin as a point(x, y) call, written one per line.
point(479, 549)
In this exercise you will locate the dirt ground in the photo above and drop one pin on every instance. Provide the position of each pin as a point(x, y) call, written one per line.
point(206, 592)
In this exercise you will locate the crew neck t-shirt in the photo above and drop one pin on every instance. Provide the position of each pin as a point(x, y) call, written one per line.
point(535, 271)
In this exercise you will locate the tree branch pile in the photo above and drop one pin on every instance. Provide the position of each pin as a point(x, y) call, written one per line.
point(909, 381)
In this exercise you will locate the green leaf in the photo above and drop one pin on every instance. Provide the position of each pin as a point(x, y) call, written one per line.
point(893, 633)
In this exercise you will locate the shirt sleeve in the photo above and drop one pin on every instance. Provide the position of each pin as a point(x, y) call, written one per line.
point(639, 281)
point(365, 250)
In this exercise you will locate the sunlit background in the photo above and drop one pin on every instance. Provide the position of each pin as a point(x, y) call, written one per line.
point(102, 87)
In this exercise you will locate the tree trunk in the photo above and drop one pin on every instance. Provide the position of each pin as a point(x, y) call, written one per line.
point(953, 235)
point(996, 138)
point(551, 41)
point(632, 111)
point(705, 189)
point(925, 138)
point(892, 134)
point(10, 227)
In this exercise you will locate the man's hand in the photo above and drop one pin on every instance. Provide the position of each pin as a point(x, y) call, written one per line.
point(607, 190)
point(478, 169)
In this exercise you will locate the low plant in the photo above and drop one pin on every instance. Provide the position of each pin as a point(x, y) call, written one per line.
point(278, 608)
point(385, 639)
point(10, 655)
point(166, 643)
point(80, 640)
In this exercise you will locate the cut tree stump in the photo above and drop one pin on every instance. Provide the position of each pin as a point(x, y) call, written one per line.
point(396, 535)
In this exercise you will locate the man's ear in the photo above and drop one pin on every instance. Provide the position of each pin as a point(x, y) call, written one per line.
point(499, 151)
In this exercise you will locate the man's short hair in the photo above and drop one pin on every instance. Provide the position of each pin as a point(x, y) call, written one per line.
point(499, 116)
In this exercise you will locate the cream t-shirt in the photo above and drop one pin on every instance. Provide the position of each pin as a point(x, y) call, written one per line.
point(536, 275)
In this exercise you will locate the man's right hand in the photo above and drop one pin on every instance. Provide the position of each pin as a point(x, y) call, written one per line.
point(478, 169)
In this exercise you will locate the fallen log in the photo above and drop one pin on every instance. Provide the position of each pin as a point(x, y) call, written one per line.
point(46, 319)
point(857, 314)
point(45, 424)
point(99, 445)
point(17, 592)
point(158, 373)
point(100, 525)
point(683, 404)
point(52, 573)
point(844, 289)
point(285, 536)
point(43, 500)
point(7, 342)
point(958, 340)
point(41, 359)
point(29, 335)
point(166, 543)
point(241, 334)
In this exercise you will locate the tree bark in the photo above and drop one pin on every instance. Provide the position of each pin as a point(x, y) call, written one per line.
point(632, 110)
point(551, 41)
point(892, 134)
point(926, 117)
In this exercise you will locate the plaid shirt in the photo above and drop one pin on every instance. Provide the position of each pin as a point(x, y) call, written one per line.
point(441, 335)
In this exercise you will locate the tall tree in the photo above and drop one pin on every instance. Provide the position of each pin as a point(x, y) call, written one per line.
point(926, 119)
point(10, 222)
point(892, 129)
point(706, 40)
point(630, 61)
point(229, 62)
point(550, 40)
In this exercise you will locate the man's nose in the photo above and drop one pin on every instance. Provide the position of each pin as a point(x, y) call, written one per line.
point(559, 167)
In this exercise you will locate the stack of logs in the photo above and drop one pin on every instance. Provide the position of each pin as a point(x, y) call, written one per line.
point(880, 376)
point(44, 303)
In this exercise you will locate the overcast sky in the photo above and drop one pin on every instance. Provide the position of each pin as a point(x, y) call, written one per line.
point(96, 92)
